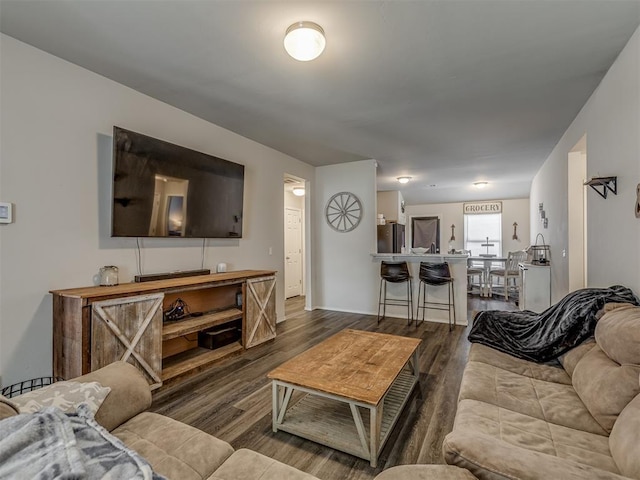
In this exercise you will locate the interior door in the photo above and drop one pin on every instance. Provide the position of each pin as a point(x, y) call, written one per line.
point(293, 252)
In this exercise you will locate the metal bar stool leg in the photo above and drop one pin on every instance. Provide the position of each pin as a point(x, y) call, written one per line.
point(453, 303)
point(379, 299)
point(425, 297)
point(409, 304)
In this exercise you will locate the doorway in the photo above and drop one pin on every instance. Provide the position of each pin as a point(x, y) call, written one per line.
point(292, 252)
point(577, 215)
point(294, 238)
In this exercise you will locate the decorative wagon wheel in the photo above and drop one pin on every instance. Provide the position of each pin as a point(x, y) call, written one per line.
point(343, 212)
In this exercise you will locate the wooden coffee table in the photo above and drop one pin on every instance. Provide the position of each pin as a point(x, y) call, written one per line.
point(350, 390)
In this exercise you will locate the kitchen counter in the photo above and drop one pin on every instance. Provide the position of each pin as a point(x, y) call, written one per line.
point(458, 265)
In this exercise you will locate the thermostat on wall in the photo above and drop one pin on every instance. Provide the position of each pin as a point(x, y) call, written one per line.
point(6, 212)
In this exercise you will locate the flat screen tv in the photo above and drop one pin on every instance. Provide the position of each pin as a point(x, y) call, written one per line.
point(164, 190)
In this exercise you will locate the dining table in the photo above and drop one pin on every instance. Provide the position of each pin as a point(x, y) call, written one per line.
point(488, 261)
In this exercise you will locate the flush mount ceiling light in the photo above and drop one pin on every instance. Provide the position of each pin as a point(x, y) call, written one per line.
point(304, 41)
point(298, 191)
point(480, 184)
point(404, 179)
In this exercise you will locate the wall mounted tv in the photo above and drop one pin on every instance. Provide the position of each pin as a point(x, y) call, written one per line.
point(164, 190)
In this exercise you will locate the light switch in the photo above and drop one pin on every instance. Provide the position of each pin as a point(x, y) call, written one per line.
point(6, 212)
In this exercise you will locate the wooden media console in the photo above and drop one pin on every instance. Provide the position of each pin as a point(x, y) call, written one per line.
point(95, 326)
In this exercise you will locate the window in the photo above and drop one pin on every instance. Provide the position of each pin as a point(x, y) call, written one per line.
point(480, 227)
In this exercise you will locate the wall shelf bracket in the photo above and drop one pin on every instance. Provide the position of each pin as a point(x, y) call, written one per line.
point(602, 185)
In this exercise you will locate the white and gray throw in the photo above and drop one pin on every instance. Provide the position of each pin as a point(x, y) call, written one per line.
point(50, 444)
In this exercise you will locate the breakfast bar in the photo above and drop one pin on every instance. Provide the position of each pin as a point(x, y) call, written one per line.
point(457, 264)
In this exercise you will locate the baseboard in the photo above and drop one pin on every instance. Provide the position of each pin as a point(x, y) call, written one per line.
point(388, 315)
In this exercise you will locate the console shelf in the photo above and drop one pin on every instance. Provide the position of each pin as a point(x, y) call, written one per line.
point(196, 324)
point(95, 326)
point(195, 360)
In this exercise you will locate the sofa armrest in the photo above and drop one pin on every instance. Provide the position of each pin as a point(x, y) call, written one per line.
point(130, 393)
point(7, 408)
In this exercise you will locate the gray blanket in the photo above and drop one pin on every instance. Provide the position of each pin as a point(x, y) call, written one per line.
point(542, 337)
point(53, 445)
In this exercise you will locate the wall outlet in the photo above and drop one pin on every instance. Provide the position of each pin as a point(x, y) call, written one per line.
point(270, 250)
point(564, 253)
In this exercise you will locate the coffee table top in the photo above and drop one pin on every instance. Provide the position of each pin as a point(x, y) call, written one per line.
point(354, 364)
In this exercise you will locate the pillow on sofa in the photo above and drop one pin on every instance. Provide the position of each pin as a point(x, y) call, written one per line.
point(606, 378)
point(64, 395)
point(618, 334)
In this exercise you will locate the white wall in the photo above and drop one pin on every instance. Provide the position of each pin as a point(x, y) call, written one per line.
point(57, 121)
point(345, 275)
point(515, 210)
point(611, 121)
point(390, 205)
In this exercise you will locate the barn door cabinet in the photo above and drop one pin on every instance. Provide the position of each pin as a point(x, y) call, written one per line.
point(95, 326)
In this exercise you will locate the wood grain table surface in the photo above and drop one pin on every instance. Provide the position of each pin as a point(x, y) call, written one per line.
point(354, 364)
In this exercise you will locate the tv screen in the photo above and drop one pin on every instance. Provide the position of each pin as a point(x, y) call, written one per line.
point(164, 190)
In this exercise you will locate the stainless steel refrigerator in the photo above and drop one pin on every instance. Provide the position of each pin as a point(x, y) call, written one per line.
point(390, 238)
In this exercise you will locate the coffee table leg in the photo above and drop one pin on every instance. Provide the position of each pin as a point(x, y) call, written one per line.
point(374, 429)
point(416, 366)
point(275, 405)
point(281, 395)
point(357, 418)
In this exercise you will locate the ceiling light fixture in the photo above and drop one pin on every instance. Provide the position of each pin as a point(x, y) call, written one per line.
point(480, 184)
point(404, 179)
point(298, 191)
point(304, 41)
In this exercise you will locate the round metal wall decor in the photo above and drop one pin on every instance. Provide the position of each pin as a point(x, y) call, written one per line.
point(343, 212)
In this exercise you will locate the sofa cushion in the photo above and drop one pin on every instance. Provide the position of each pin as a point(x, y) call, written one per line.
point(606, 377)
point(426, 472)
point(491, 356)
point(494, 442)
point(570, 359)
point(553, 402)
point(618, 335)
point(249, 465)
point(173, 449)
point(624, 441)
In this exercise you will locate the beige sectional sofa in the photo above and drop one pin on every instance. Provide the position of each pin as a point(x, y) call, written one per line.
point(181, 452)
point(521, 420)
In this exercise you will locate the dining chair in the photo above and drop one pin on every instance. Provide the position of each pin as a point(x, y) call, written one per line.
point(474, 270)
point(509, 272)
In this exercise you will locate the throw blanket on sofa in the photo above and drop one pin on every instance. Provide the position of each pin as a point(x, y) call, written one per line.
point(50, 444)
point(546, 336)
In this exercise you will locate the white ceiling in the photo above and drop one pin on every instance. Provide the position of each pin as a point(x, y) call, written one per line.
point(447, 91)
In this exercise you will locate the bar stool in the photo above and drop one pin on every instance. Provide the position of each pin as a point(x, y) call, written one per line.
point(435, 274)
point(395, 272)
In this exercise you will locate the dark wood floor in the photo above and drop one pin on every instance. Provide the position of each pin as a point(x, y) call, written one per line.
point(232, 400)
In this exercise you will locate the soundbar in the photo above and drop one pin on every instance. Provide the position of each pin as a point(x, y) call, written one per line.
point(163, 276)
